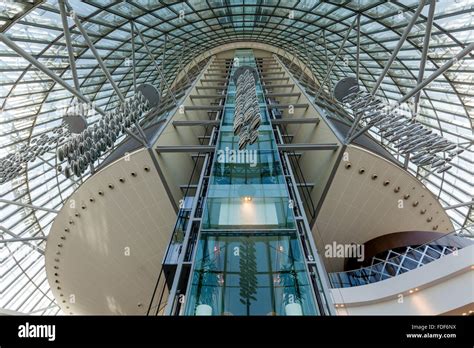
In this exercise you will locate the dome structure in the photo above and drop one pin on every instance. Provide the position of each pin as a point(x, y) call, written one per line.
point(60, 57)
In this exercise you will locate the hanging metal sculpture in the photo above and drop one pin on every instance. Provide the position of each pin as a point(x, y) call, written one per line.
point(247, 116)
point(407, 135)
point(85, 148)
point(78, 149)
point(13, 164)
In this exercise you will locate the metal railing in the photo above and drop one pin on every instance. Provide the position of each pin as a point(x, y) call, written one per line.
point(412, 258)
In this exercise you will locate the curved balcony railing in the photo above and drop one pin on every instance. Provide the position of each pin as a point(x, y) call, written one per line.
point(411, 259)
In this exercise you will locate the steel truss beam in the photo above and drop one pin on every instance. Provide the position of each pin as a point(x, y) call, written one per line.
point(96, 54)
point(358, 48)
point(424, 54)
point(158, 68)
point(15, 236)
point(204, 123)
point(296, 120)
point(465, 204)
point(335, 59)
point(399, 46)
point(9, 43)
point(133, 57)
point(307, 147)
point(13, 240)
point(26, 205)
point(70, 51)
point(186, 148)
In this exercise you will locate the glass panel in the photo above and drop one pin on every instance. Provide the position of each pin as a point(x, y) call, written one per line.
point(264, 271)
point(247, 187)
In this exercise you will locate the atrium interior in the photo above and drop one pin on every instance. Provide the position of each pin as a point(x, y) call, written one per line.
point(245, 158)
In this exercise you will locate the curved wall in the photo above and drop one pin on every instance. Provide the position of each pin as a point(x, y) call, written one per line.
point(442, 286)
point(382, 200)
point(105, 248)
point(404, 239)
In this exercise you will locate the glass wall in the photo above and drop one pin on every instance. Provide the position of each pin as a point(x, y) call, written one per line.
point(247, 188)
point(253, 273)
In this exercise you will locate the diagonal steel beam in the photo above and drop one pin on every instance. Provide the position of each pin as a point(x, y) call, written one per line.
point(308, 59)
point(142, 133)
point(312, 60)
point(158, 68)
point(33, 61)
point(358, 48)
point(335, 58)
point(26, 205)
point(423, 84)
point(137, 138)
point(437, 73)
point(52, 166)
point(43, 309)
point(67, 37)
point(310, 55)
point(162, 65)
point(27, 239)
point(96, 54)
point(424, 54)
point(421, 71)
point(181, 62)
point(14, 235)
point(133, 58)
point(399, 45)
point(70, 52)
point(465, 204)
point(327, 57)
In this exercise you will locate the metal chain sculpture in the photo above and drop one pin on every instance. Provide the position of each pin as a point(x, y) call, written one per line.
point(86, 147)
point(13, 164)
point(408, 136)
point(247, 116)
point(80, 148)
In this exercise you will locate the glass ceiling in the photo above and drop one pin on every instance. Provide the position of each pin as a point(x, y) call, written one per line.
point(32, 104)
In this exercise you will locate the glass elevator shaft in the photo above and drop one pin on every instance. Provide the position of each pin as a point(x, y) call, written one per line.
point(249, 254)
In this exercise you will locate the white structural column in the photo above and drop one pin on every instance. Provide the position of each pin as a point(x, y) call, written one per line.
point(424, 54)
point(67, 37)
point(96, 55)
point(133, 58)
